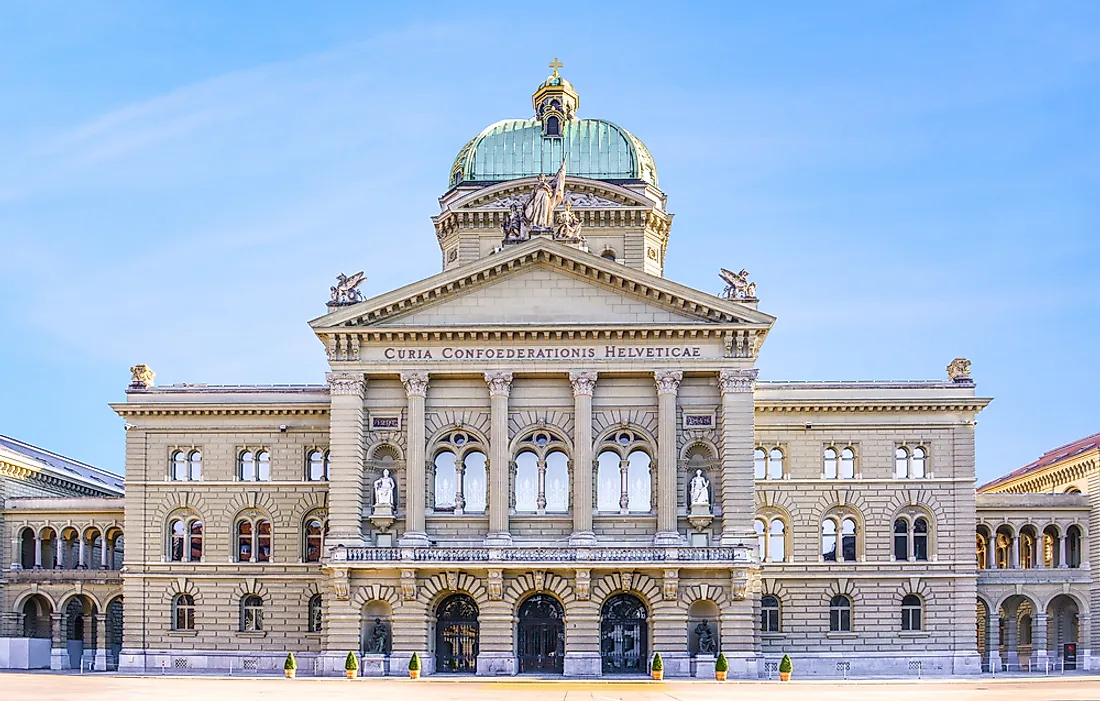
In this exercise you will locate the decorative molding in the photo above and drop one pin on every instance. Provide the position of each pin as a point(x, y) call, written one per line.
point(737, 380)
point(416, 383)
point(668, 381)
point(496, 585)
point(408, 585)
point(500, 383)
point(125, 410)
point(583, 381)
point(341, 583)
point(582, 585)
point(346, 384)
point(670, 585)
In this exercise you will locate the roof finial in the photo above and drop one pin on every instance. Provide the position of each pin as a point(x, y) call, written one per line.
point(555, 64)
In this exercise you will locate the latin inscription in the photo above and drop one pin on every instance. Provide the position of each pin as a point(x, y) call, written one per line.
point(607, 352)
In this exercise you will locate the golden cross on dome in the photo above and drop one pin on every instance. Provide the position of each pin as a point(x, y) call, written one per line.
point(555, 64)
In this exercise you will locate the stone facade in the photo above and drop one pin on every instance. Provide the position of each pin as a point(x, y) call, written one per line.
point(585, 470)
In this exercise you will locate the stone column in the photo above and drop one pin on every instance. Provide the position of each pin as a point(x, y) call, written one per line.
point(1039, 642)
point(738, 493)
point(38, 551)
point(584, 384)
point(668, 382)
point(991, 554)
point(993, 640)
point(346, 458)
point(59, 653)
point(1012, 655)
point(500, 386)
point(1062, 550)
point(1014, 552)
point(99, 663)
point(16, 553)
point(81, 551)
point(103, 551)
point(416, 389)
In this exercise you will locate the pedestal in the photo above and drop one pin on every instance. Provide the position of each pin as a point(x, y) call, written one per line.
point(372, 665)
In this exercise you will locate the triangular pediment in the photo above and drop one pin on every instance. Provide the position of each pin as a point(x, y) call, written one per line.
point(543, 283)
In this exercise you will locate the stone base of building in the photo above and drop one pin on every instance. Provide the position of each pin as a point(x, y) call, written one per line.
point(496, 664)
point(871, 665)
point(583, 664)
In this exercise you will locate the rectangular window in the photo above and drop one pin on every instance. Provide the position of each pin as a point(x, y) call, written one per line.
point(840, 620)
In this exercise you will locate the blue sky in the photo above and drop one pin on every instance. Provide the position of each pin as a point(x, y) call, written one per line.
point(908, 182)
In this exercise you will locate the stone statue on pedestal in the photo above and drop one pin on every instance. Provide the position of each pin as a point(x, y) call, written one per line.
point(706, 639)
point(379, 638)
point(383, 491)
point(700, 490)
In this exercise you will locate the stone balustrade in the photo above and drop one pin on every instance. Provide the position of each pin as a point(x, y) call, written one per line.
point(718, 555)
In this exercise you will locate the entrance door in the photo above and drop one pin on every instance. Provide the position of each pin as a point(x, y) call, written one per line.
point(541, 635)
point(624, 635)
point(456, 634)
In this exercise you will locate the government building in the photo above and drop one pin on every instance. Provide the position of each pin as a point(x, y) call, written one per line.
point(548, 458)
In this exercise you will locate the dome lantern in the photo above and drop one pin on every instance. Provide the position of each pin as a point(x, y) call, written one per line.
point(555, 102)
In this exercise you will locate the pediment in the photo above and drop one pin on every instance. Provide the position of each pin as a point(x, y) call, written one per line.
point(543, 283)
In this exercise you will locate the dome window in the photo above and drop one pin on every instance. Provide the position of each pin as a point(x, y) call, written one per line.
point(553, 126)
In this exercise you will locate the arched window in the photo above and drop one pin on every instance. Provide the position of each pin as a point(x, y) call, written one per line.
point(623, 476)
point(1004, 546)
point(608, 481)
point(1073, 546)
point(828, 540)
point(179, 465)
point(775, 464)
point(28, 547)
point(831, 457)
point(184, 539)
point(253, 540)
point(911, 612)
point(541, 478)
point(920, 539)
point(316, 529)
point(760, 464)
point(553, 126)
point(840, 614)
point(847, 464)
point(609, 254)
point(848, 539)
point(769, 614)
point(316, 614)
point(901, 539)
point(981, 549)
point(760, 526)
point(252, 614)
point(771, 538)
point(838, 539)
point(317, 466)
point(556, 482)
point(1026, 542)
point(194, 466)
point(1050, 547)
point(183, 612)
point(910, 464)
point(254, 466)
point(527, 481)
point(460, 474)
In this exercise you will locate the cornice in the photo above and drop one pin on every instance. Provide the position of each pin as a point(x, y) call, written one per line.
point(611, 218)
point(968, 404)
point(221, 409)
point(1048, 477)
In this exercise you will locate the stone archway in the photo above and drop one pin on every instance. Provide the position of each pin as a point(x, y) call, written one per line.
point(624, 635)
point(540, 634)
point(37, 613)
point(113, 632)
point(456, 635)
point(1063, 629)
point(79, 630)
point(1017, 619)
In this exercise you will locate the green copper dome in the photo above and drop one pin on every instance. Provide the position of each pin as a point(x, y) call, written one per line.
point(521, 148)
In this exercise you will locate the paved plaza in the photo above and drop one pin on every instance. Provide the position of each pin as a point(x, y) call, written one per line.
point(53, 687)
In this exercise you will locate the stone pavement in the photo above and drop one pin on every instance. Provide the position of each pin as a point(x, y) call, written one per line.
point(98, 687)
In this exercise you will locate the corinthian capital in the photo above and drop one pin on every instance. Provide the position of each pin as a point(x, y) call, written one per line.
point(668, 381)
point(346, 383)
point(416, 383)
point(737, 380)
point(584, 382)
point(500, 383)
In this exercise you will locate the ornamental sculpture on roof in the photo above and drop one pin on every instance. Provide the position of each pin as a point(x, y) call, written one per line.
point(536, 214)
point(959, 370)
point(737, 284)
point(141, 377)
point(346, 289)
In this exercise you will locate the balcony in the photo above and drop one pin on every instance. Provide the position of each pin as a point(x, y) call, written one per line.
point(55, 576)
point(686, 556)
point(1036, 575)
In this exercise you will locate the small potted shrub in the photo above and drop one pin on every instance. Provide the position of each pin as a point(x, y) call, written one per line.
point(290, 667)
point(785, 668)
point(721, 667)
point(414, 666)
point(657, 669)
point(351, 665)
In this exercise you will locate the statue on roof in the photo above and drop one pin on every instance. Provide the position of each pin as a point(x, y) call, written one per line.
point(545, 198)
point(959, 370)
point(737, 284)
point(568, 224)
point(346, 289)
point(141, 377)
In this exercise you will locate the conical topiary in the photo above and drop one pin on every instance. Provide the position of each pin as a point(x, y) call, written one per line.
point(785, 665)
point(721, 664)
point(351, 664)
point(414, 663)
point(658, 665)
point(290, 663)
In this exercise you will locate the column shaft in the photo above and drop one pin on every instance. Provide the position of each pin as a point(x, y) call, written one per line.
point(38, 552)
point(500, 385)
point(668, 382)
point(81, 550)
point(1062, 551)
point(738, 495)
point(584, 384)
point(346, 459)
point(416, 389)
point(16, 553)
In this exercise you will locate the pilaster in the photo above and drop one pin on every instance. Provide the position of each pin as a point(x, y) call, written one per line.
point(500, 386)
point(584, 384)
point(346, 454)
point(416, 389)
point(668, 382)
point(738, 497)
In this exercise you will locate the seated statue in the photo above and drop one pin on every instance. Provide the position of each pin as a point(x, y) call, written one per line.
point(706, 639)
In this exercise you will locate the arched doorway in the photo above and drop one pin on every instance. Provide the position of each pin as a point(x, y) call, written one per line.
point(541, 634)
point(1016, 645)
point(624, 635)
point(80, 632)
point(36, 617)
point(114, 632)
point(983, 634)
point(456, 635)
point(1063, 628)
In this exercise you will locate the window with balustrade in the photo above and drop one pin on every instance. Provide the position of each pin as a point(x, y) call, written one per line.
point(624, 479)
point(540, 479)
point(460, 473)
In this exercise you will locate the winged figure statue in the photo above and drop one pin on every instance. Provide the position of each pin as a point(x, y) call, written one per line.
point(737, 284)
point(346, 289)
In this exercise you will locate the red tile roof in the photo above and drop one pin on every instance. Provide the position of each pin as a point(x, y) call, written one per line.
point(1082, 445)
